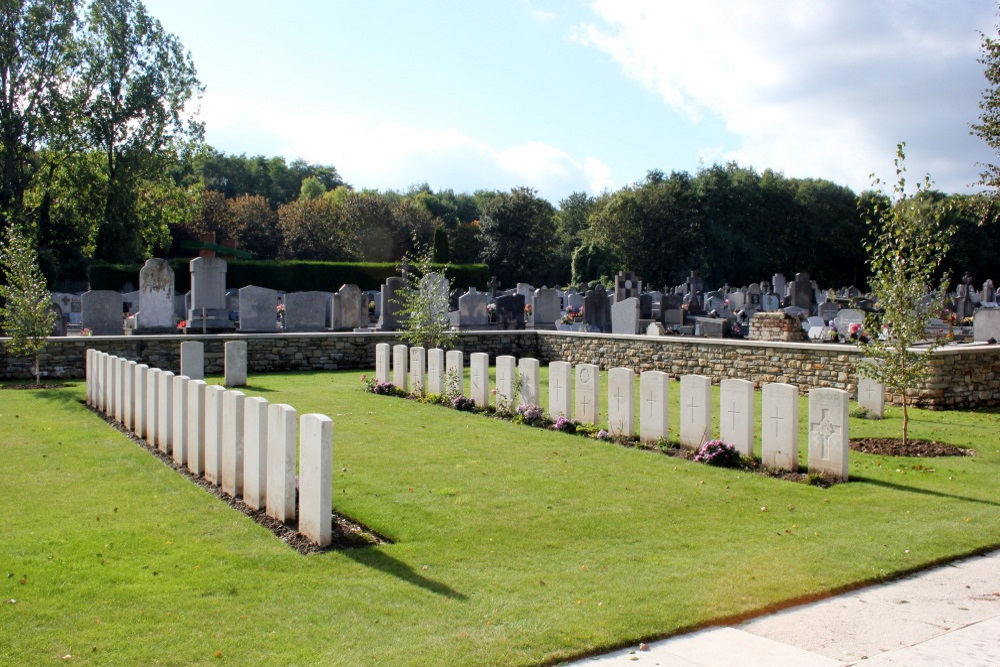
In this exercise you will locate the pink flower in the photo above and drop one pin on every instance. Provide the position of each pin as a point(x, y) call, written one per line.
point(854, 328)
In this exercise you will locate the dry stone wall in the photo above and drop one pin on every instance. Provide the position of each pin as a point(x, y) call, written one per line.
point(967, 377)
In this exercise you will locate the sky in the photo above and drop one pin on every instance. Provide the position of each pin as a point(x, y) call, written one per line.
point(565, 97)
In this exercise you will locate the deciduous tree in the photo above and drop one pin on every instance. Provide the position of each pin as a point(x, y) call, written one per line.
point(905, 246)
point(26, 302)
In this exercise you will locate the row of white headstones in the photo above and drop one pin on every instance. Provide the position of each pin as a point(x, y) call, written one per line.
point(244, 444)
point(577, 393)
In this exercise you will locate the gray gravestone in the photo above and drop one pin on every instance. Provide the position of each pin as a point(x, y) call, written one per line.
point(351, 309)
point(625, 317)
point(986, 325)
point(101, 312)
point(258, 309)
point(391, 294)
point(597, 310)
point(472, 309)
point(306, 311)
point(208, 294)
point(546, 308)
point(156, 295)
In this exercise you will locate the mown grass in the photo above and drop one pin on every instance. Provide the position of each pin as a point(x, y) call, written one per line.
point(513, 545)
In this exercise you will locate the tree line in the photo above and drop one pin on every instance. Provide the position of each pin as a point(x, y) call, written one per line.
point(101, 158)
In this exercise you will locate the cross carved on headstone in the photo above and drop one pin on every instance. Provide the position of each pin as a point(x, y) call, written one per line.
point(775, 418)
point(558, 387)
point(651, 401)
point(475, 379)
point(694, 406)
point(733, 413)
point(824, 428)
point(586, 405)
point(618, 399)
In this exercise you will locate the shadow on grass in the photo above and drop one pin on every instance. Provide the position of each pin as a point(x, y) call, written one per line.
point(913, 489)
point(379, 560)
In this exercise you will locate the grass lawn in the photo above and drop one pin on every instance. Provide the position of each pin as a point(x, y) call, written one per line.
point(513, 545)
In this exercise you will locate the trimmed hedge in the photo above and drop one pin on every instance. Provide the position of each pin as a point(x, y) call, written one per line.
point(292, 276)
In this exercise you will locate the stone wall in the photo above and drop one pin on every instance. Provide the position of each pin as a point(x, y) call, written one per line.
point(967, 377)
point(776, 327)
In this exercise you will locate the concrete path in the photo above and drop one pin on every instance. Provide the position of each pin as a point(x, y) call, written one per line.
point(946, 616)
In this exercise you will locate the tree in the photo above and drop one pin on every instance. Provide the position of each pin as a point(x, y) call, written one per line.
point(988, 127)
point(316, 229)
point(26, 312)
point(441, 253)
point(906, 243)
point(517, 233)
point(425, 300)
point(36, 59)
point(255, 226)
point(142, 82)
point(652, 228)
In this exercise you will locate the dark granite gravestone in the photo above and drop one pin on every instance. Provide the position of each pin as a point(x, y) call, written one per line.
point(510, 311)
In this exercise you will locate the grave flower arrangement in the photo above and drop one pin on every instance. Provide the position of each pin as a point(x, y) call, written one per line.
point(281, 315)
point(564, 425)
point(86, 332)
point(527, 309)
point(182, 324)
point(529, 414)
point(718, 453)
point(463, 403)
point(372, 385)
point(491, 311)
point(573, 315)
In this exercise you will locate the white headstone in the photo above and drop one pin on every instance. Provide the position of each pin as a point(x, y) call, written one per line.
point(479, 378)
point(316, 479)
point(180, 419)
point(871, 396)
point(418, 370)
point(128, 395)
point(213, 433)
point(736, 414)
point(828, 432)
point(435, 371)
point(587, 403)
point(696, 411)
point(506, 372)
point(140, 385)
point(560, 389)
point(196, 427)
point(232, 443)
point(193, 359)
point(152, 403)
point(236, 363)
point(653, 405)
point(382, 354)
point(454, 378)
point(165, 412)
point(400, 375)
point(621, 402)
point(282, 430)
point(119, 401)
point(528, 371)
point(779, 426)
point(255, 451)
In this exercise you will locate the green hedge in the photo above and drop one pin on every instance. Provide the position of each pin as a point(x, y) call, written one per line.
point(292, 276)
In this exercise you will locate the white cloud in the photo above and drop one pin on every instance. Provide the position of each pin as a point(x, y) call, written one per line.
point(387, 154)
point(813, 87)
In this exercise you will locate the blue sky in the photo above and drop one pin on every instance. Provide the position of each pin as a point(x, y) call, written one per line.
point(567, 96)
